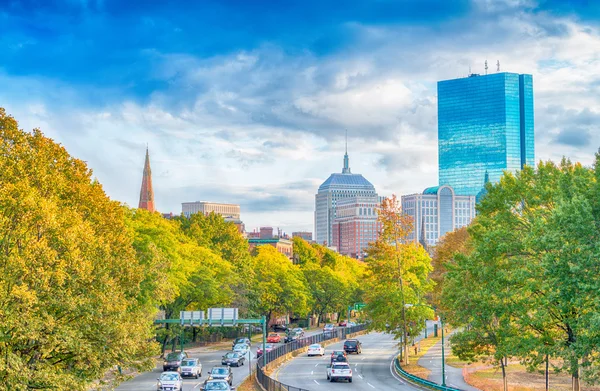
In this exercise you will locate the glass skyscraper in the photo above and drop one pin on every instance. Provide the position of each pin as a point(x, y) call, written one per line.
point(485, 125)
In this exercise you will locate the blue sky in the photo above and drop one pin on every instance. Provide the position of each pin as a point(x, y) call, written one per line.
point(248, 101)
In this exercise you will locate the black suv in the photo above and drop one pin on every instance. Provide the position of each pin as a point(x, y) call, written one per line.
point(279, 327)
point(352, 346)
point(221, 373)
point(173, 361)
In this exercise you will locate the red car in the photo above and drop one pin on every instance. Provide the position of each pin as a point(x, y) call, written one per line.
point(268, 347)
point(343, 323)
point(273, 338)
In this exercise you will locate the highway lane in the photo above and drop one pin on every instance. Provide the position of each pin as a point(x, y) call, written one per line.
point(371, 370)
point(147, 380)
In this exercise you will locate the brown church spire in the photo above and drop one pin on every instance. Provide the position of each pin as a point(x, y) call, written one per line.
point(146, 193)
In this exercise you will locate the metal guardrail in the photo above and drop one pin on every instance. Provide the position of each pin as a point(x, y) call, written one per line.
point(420, 381)
point(273, 385)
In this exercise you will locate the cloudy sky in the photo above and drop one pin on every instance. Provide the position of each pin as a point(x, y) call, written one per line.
point(248, 101)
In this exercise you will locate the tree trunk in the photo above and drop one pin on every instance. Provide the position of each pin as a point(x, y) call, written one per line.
point(547, 374)
point(164, 342)
point(504, 379)
point(575, 379)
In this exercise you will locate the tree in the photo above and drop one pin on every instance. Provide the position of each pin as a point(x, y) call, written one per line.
point(69, 280)
point(397, 275)
point(280, 285)
point(328, 290)
point(535, 248)
point(455, 242)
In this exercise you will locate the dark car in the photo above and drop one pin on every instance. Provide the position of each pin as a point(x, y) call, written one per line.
point(279, 327)
point(352, 346)
point(291, 337)
point(234, 359)
point(173, 361)
point(216, 385)
point(241, 340)
point(221, 373)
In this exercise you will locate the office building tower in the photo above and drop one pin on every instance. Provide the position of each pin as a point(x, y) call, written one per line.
point(356, 225)
point(437, 211)
point(336, 188)
point(485, 124)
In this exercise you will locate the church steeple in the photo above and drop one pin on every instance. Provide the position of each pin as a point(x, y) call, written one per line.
point(422, 239)
point(346, 169)
point(146, 192)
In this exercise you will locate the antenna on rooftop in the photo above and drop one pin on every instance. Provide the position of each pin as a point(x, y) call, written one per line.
point(486, 67)
point(498, 66)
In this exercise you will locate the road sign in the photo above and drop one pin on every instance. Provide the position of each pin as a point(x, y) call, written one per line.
point(359, 306)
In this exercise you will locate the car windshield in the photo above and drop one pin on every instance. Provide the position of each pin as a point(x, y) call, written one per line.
point(173, 357)
point(240, 340)
point(340, 366)
point(232, 355)
point(219, 371)
point(315, 346)
point(188, 363)
point(238, 347)
point(273, 335)
point(350, 343)
point(328, 326)
point(216, 385)
point(169, 377)
point(338, 352)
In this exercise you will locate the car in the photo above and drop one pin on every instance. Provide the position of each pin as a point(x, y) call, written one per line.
point(241, 340)
point(191, 367)
point(169, 381)
point(217, 385)
point(273, 338)
point(173, 360)
point(338, 371)
point(351, 324)
point(352, 346)
point(241, 348)
point(315, 349)
point(279, 327)
point(336, 353)
point(268, 348)
point(343, 323)
point(298, 330)
point(339, 358)
point(221, 373)
point(329, 328)
point(291, 337)
point(234, 359)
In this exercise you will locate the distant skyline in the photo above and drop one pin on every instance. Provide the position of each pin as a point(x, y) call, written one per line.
point(247, 102)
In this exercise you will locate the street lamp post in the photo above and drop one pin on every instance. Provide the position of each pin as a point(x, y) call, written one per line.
point(442, 324)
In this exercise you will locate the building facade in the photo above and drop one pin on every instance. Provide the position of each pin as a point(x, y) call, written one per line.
point(485, 124)
point(231, 211)
point(356, 225)
point(284, 246)
point(336, 188)
point(437, 211)
point(303, 234)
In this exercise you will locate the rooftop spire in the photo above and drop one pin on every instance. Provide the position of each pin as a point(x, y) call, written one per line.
point(422, 240)
point(146, 192)
point(346, 169)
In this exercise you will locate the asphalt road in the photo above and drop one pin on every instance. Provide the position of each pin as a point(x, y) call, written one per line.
point(371, 370)
point(147, 381)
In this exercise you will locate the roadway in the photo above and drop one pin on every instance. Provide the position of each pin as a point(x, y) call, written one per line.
point(147, 381)
point(371, 370)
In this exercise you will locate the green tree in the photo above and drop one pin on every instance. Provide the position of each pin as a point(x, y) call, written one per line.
point(328, 290)
point(280, 285)
point(397, 275)
point(70, 304)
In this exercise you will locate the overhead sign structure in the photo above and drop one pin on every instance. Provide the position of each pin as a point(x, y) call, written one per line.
point(191, 316)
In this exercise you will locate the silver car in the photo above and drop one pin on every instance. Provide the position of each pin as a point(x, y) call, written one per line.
point(191, 367)
point(169, 381)
point(241, 348)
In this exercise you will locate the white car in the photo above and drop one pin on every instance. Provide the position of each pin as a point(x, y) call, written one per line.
point(316, 350)
point(169, 381)
point(339, 371)
point(241, 348)
point(191, 367)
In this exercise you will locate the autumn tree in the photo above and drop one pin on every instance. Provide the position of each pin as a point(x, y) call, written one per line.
point(280, 285)
point(397, 275)
point(70, 306)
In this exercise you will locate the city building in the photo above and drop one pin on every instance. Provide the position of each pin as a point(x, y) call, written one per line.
point(303, 234)
point(437, 211)
point(485, 124)
point(356, 225)
point(146, 192)
point(230, 212)
point(281, 242)
point(336, 188)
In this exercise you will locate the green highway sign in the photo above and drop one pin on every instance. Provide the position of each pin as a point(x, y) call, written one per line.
point(359, 306)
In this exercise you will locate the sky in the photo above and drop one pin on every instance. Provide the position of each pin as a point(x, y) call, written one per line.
point(248, 101)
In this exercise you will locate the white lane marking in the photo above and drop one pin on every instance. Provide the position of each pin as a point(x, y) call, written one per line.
point(372, 386)
point(362, 358)
point(355, 365)
point(312, 372)
point(316, 365)
point(360, 376)
point(393, 372)
point(316, 382)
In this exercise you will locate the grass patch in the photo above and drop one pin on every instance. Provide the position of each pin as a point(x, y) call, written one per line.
point(415, 369)
point(250, 384)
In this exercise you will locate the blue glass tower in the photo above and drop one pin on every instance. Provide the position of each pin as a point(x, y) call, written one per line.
point(485, 124)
